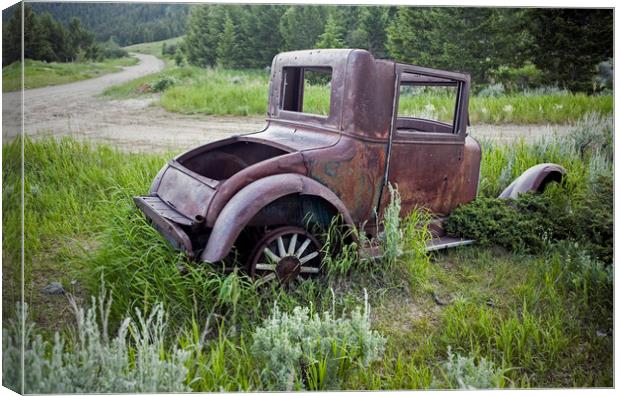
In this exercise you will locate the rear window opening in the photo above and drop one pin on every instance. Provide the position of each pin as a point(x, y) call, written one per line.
point(427, 104)
point(306, 90)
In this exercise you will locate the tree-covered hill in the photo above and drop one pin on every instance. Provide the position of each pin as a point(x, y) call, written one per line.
point(127, 23)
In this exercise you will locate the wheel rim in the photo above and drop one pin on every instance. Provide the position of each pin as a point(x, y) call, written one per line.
point(287, 255)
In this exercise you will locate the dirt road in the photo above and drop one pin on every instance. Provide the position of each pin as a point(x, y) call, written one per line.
point(78, 110)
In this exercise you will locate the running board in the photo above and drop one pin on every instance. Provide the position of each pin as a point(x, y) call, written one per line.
point(373, 251)
point(446, 243)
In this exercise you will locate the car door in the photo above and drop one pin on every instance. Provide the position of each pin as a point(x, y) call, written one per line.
point(427, 139)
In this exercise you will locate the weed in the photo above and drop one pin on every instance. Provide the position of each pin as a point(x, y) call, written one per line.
point(340, 249)
point(403, 242)
point(393, 236)
point(593, 134)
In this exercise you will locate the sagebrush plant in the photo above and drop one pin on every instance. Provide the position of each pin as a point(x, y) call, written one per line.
point(135, 360)
point(464, 372)
point(592, 135)
point(305, 350)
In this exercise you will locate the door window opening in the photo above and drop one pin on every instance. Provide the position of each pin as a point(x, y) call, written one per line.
point(427, 104)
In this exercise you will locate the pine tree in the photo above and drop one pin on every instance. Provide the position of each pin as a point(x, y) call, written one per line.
point(569, 43)
point(12, 36)
point(228, 54)
point(81, 42)
point(474, 40)
point(413, 35)
point(200, 43)
point(370, 30)
point(56, 37)
point(259, 29)
point(301, 26)
point(332, 37)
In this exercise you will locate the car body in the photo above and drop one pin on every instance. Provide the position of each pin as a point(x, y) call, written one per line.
point(305, 165)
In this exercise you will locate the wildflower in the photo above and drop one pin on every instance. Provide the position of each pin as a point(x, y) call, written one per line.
point(508, 108)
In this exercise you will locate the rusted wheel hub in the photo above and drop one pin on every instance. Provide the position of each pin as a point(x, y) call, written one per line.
point(288, 268)
point(286, 254)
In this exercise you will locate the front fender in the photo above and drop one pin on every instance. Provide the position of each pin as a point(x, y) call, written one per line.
point(534, 179)
point(244, 205)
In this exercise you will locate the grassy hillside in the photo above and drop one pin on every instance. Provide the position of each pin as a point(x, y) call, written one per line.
point(42, 74)
point(480, 316)
point(153, 48)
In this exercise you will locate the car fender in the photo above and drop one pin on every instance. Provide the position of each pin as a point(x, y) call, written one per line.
point(534, 179)
point(244, 205)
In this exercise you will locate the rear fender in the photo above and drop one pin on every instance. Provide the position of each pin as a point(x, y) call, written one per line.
point(534, 179)
point(244, 205)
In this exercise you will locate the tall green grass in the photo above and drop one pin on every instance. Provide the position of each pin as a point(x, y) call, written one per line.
point(585, 152)
point(244, 92)
point(219, 92)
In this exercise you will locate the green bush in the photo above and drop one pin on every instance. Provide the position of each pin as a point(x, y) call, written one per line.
point(593, 218)
point(170, 49)
point(517, 78)
point(162, 84)
point(112, 50)
point(307, 351)
point(522, 224)
point(532, 221)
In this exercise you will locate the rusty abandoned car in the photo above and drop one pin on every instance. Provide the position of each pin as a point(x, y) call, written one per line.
point(260, 191)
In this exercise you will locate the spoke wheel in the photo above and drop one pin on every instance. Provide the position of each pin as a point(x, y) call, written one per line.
point(286, 255)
